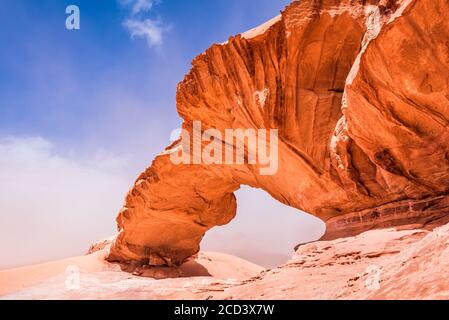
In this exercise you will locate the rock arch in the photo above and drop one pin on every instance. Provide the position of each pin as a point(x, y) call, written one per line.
point(320, 73)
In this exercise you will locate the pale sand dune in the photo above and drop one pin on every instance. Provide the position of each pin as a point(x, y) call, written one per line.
point(18, 278)
point(48, 280)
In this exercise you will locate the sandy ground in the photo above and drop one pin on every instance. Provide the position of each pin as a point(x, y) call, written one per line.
point(378, 264)
point(91, 277)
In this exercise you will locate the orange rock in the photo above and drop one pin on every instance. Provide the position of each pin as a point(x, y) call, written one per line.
point(358, 92)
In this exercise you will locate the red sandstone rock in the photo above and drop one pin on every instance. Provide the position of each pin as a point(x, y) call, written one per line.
point(358, 91)
point(378, 264)
point(346, 268)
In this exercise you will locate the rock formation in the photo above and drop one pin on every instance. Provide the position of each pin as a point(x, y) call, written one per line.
point(377, 264)
point(358, 90)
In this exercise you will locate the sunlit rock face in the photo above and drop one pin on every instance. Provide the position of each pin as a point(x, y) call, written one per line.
point(358, 91)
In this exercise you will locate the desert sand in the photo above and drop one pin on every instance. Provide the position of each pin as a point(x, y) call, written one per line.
point(99, 279)
point(378, 264)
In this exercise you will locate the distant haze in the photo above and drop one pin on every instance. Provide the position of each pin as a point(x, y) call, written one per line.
point(264, 231)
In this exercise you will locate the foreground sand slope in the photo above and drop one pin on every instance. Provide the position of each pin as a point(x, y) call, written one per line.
point(99, 279)
point(377, 264)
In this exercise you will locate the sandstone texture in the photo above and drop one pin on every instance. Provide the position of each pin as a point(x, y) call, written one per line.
point(378, 264)
point(358, 90)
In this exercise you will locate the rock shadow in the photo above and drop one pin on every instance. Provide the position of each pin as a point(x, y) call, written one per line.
point(190, 268)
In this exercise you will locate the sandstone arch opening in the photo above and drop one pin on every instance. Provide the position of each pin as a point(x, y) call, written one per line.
point(264, 231)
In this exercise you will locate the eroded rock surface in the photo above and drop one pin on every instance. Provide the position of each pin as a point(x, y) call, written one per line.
point(377, 264)
point(359, 93)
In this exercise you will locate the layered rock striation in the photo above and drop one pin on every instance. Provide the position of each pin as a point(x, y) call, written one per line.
point(358, 91)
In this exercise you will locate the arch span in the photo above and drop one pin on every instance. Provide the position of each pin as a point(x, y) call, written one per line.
point(275, 77)
point(320, 74)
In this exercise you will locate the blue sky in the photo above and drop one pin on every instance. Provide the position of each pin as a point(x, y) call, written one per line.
point(84, 111)
point(73, 87)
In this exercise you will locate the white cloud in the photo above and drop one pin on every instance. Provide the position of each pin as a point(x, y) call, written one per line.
point(141, 6)
point(140, 25)
point(54, 206)
point(149, 29)
point(138, 6)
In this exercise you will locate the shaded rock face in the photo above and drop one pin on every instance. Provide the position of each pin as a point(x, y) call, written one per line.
point(359, 93)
